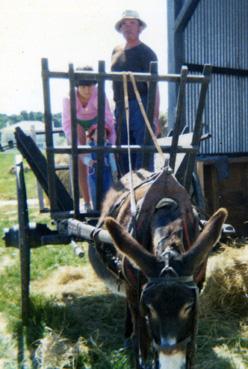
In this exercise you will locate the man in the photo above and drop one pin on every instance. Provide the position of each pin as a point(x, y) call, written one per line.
point(135, 56)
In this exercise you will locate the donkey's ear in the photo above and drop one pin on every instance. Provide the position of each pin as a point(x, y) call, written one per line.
point(205, 242)
point(131, 248)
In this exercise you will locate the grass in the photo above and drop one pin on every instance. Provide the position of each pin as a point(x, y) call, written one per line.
point(74, 321)
point(8, 180)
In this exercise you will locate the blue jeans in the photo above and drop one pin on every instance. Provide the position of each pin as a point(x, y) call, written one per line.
point(137, 134)
point(107, 182)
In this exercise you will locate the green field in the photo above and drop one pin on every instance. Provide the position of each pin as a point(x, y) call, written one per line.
point(8, 181)
point(74, 321)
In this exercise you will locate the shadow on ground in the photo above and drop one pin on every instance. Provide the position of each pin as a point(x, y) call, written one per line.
point(99, 321)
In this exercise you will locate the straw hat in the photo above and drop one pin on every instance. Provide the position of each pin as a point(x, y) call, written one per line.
point(130, 14)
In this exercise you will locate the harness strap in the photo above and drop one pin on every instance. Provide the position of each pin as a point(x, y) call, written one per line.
point(186, 233)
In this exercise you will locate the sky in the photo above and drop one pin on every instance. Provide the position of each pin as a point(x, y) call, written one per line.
point(66, 31)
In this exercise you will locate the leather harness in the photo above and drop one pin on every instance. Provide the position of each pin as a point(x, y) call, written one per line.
point(124, 270)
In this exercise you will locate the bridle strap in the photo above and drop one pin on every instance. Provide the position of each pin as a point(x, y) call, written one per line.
point(185, 279)
point(169, 349)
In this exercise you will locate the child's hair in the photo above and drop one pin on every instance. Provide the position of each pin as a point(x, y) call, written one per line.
point(83, 82)
point(93, 128)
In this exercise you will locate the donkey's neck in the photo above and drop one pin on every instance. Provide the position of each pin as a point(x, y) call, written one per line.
point(168, 237)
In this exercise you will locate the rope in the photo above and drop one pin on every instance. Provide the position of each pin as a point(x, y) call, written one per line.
point(142, 109)
point(133, 206)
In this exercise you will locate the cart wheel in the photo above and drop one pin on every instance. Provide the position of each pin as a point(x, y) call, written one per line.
point(24, 248)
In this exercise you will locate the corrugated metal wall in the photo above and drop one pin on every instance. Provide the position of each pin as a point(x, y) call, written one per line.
point(217, 33)
point(225, 116)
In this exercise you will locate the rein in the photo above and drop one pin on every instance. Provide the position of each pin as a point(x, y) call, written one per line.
point(143, 112)
point(133, 202)
point(133, 206)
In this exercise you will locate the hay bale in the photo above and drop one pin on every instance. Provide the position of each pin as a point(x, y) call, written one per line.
point(226, 286)
point(12, 169)
point(68, 282)
point(64, 174)
point(54, 351)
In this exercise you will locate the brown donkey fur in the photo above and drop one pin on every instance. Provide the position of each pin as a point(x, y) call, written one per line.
point(166, 243)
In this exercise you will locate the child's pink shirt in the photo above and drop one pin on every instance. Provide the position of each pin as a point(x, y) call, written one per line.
point(86, 113)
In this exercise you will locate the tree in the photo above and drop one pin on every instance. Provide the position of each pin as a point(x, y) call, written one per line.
point(31, 115)
point(57, 120)
point(3, 120)
point(14, 118)
point(24, 115)
point(39, 116)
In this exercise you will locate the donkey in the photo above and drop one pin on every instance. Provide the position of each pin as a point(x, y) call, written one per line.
point(159, 267)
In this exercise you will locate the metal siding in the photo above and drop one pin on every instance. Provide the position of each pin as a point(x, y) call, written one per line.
point(244, 120)
point(216, 34)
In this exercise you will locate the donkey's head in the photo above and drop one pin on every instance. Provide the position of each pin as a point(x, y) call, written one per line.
point(169, 298)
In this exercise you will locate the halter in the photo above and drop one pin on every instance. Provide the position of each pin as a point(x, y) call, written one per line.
point(188, 342)
point(169, 349)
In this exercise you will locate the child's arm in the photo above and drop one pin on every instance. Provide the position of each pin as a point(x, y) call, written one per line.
point(66, 123)
point(66, 119)
point(110, 122)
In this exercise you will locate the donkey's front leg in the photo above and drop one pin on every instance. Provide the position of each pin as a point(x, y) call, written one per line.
point(140, 334)
point(128, 325)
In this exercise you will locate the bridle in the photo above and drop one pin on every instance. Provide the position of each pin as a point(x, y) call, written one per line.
point(167, 276)
point(188, 342)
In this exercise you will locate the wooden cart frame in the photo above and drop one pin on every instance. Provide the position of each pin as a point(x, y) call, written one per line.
point(71, 222)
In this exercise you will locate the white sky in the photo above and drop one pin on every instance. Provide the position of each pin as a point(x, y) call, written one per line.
point(66, 31)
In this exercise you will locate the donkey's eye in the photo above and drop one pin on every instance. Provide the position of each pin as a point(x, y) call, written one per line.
point(185, 310)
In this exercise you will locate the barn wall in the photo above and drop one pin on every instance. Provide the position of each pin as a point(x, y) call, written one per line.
point(217, 34)
point(213, 32)
point(224, 182)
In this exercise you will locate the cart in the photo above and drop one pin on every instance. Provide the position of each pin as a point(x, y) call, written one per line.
point(72, 225)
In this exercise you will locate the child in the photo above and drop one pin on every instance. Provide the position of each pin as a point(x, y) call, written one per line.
point(110, 168)
point(86, 95)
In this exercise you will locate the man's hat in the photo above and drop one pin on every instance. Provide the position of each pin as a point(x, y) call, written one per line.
point(130, 14)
